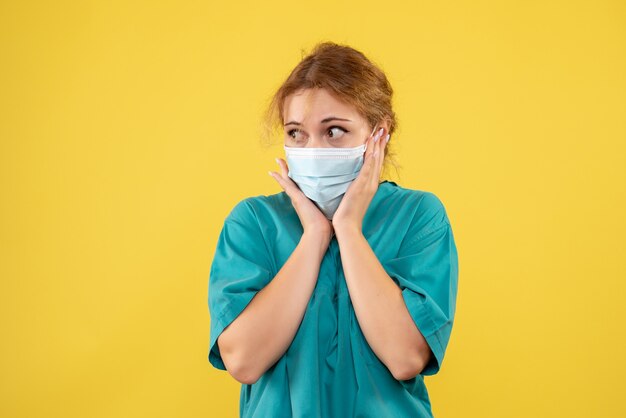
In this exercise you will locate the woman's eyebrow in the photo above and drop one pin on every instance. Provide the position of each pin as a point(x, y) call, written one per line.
point(325, 120)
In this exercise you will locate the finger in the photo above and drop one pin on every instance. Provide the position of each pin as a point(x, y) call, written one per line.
point(383, 151)
point(370, 144)
point(283, 167)
point(289, 190)
point(290, 187)
point(376, 145)
point(368, 165)
point(278, 179)
point(378, 157)
point(371, 147)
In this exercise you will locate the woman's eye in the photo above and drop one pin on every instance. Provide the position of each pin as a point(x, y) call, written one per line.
point(292, 132)
point(339, 133)
point(333, 132)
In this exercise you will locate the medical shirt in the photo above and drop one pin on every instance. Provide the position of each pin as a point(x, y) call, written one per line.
point(329, 370)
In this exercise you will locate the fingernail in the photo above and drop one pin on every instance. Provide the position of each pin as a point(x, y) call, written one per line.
point(387, 138)
point(378, 134)
point(270, 173)
point(276, 159)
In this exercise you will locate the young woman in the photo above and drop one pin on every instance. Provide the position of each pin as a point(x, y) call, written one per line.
point(336, 296)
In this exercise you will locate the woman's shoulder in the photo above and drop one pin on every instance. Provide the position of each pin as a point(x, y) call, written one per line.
point(427, 207)
point(424, 200)
point(260, 207)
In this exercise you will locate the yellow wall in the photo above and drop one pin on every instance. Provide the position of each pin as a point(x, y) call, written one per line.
point(129, 129)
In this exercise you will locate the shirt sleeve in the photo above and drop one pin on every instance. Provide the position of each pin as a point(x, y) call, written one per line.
point(240, 268)
point(426, 269)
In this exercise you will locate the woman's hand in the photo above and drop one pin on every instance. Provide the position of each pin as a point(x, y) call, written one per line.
point(355, 202)
point(311, 218)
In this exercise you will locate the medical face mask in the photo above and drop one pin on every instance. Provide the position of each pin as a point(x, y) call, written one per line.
point(324, 174)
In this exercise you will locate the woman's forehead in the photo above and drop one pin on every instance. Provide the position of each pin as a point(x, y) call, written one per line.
point(314, 105)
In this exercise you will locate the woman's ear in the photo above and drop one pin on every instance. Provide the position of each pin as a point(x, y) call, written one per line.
point(385, 125)
point(381, 124)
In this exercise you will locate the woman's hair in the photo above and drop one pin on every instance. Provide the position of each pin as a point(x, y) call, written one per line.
point(348, 75)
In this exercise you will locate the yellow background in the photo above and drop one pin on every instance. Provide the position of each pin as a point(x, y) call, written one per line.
point(130, 129)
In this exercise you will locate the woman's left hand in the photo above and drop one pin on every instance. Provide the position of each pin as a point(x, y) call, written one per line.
point(355, 202)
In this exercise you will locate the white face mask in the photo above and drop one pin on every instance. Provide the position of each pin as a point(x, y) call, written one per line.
point(324, 174)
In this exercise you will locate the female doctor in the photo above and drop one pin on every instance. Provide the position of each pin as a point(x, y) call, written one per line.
point(336, 296)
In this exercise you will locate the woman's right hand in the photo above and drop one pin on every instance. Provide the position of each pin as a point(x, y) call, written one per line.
point(311, 217)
